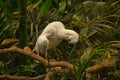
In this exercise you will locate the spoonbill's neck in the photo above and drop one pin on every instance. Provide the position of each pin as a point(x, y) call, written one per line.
point(63, 34)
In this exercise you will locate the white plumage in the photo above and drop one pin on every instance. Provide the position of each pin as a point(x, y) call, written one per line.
point(52, 35)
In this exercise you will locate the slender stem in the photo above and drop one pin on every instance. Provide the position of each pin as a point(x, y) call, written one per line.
point(84, 13)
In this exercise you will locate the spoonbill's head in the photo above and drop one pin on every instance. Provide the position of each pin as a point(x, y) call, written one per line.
point(72, 37)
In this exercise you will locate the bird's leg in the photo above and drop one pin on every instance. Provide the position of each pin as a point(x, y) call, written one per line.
point(56, 54)
point(47, 57)
point(37, 60)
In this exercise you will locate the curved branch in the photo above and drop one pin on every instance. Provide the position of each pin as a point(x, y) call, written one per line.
point(21, 51)
point(106, 64)
point(21, 77)
point(61, 63)
point(39, 58)
point(51, 73)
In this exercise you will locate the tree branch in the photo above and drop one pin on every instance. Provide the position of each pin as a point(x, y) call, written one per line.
point(28, 52)
point(39, 58)
point(51, 73)
point(11, 77)
point(106, 64)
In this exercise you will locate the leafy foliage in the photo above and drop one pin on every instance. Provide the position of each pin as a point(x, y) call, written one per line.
point(4, 25)
point(96, 21)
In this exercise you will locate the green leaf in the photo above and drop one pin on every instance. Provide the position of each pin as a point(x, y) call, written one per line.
point(44, 8)
point(38, 2)
point(30, 68)
point(5, 70)
point(84, 31)
point(62, 5)
point(86, 53)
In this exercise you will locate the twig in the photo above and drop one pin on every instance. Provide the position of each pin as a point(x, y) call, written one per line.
point(11, 77)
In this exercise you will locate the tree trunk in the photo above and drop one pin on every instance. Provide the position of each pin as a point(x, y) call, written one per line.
point(22, 23)
point(22, 30)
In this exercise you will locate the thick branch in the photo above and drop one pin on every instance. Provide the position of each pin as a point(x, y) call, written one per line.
point(39, 58)
point(51, 73)
point(21, 51)
point(21, 77)
point(107, 63)
point(61, 63)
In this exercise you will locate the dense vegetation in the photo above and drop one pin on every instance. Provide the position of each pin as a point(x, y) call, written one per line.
point(96, 56)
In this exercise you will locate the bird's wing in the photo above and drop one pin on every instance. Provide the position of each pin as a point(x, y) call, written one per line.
point(42, 45)
point(53, 28)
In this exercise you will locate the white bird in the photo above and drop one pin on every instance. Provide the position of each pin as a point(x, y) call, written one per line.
point(52, 35)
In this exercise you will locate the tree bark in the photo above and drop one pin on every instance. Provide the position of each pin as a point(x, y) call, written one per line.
point(22, 29)
point(22, 23)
